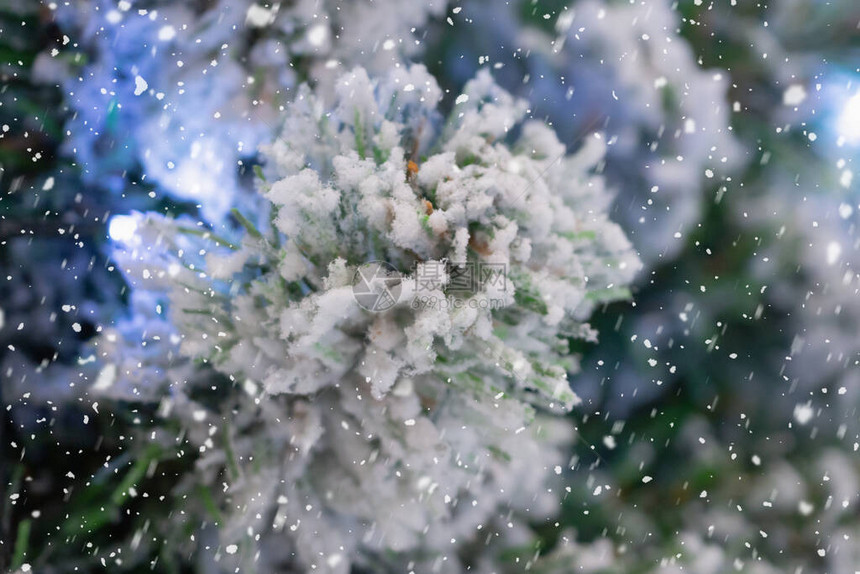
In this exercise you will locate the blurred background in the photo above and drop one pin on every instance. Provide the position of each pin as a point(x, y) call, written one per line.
point(730, 380)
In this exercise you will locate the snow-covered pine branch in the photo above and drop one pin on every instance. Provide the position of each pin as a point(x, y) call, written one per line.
point(406, 434)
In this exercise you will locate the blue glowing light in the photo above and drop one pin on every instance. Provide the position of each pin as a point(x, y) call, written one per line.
point(848, 125)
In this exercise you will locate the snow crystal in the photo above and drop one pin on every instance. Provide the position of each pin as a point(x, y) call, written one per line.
point(794, 95)
point(803, 413)
point(140, 85)
point(259, 16)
